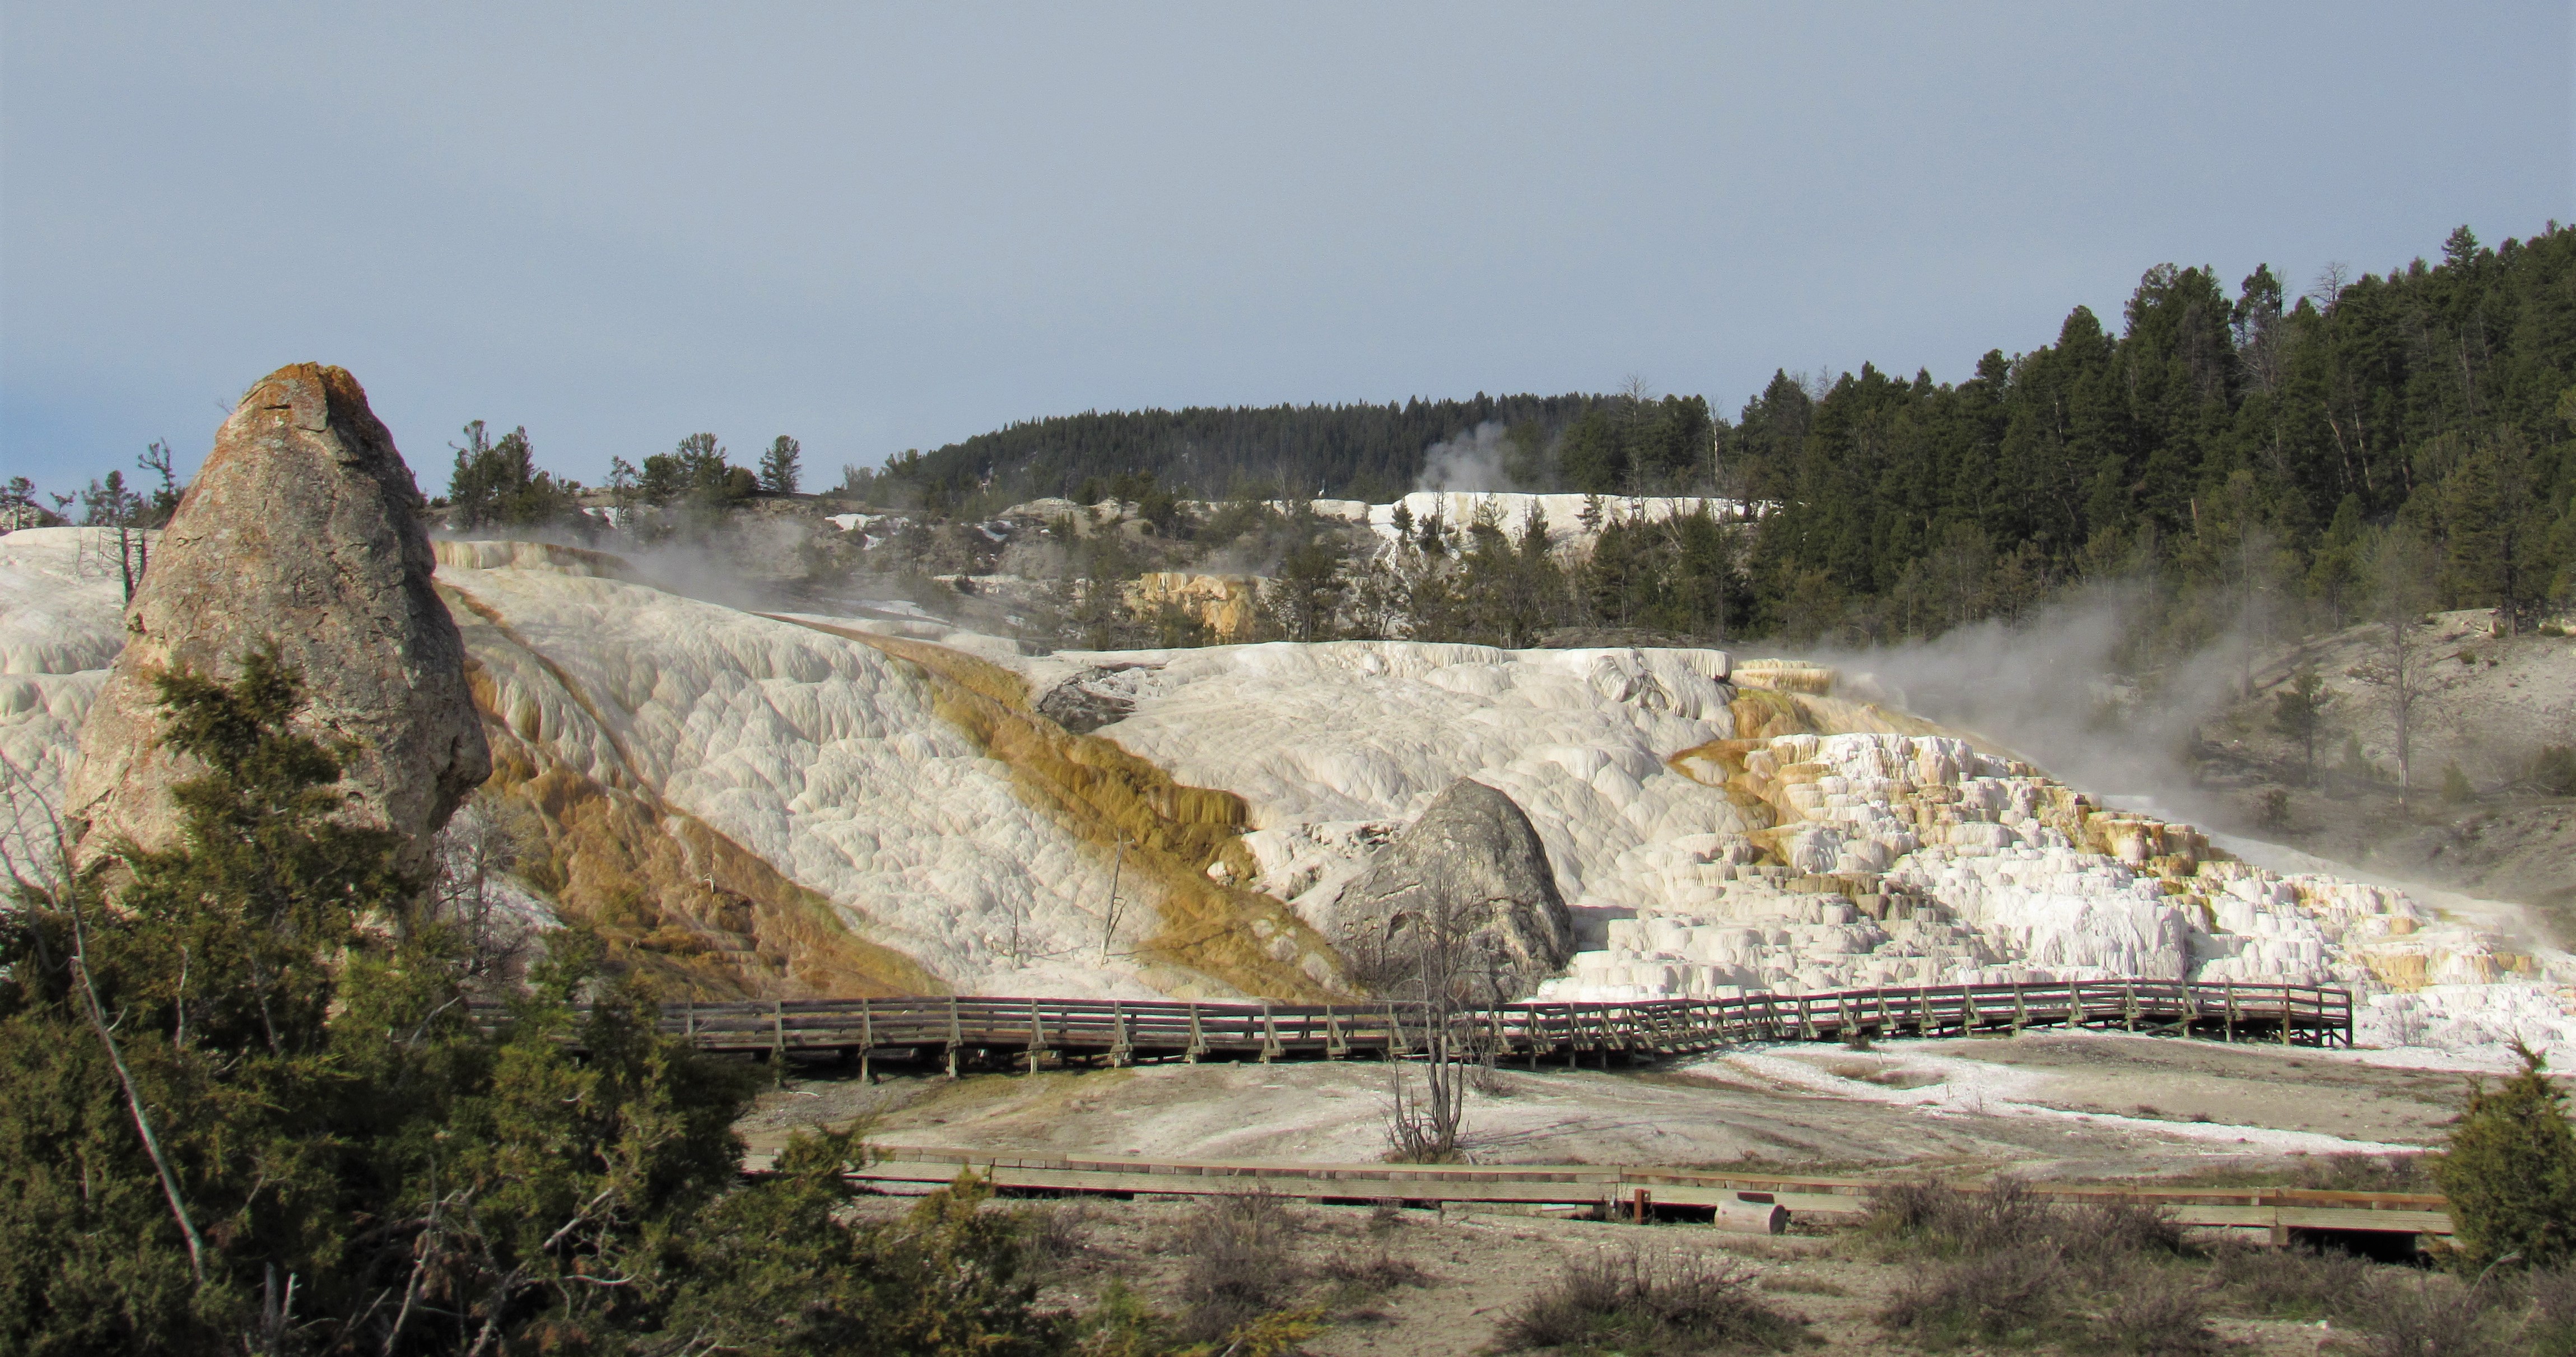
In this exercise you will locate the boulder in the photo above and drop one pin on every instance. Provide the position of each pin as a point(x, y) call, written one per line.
point(1473, 861)
point(1096, 697)
point(303, 528)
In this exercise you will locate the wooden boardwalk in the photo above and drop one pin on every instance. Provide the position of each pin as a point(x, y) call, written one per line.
point(987, 1030)
point(2271, 1212)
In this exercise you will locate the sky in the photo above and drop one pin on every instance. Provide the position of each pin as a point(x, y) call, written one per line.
point(882, 227)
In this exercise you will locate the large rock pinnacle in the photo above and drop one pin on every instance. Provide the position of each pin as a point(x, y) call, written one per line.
point(1470, 876)
point(302, 528)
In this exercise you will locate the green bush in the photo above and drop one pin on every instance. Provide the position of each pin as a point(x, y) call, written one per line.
point(2554, 768)
point(2509, 1170)
point(232, 1119)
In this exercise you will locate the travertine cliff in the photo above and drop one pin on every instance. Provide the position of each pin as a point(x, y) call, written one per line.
point(303, 529)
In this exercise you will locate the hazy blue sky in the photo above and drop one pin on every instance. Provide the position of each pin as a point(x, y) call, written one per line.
point(883, 228)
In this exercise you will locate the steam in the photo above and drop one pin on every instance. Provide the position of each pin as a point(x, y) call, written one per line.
point(2049, 689)
point(1471, 461)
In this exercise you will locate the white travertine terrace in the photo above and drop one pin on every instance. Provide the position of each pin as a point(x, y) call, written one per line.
point(1695, 862)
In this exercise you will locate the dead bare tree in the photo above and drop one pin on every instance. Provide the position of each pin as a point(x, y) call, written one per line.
point(2401, 574)
point(482, 844)
point(39, 866)
point(1109, 915)
point(1445, 960)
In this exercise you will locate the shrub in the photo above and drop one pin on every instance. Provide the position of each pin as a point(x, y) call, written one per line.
point(2018, 1269)
point(2455, 785)
point(2300, 1284)
point(1238, 1268)
point(2425, 1316)
point(2030, 1294)
point(1385, 1272)
point(2554, 768)
point(2013, 1295)
point(2510, 1171)
point(1936, 1218)
point(2549, 1328)
point(1639, 1303)
point(2154, 1312)
point(2106, 1234)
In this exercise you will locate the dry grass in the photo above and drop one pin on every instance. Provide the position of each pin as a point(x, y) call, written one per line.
point(1369, 1274)
point(1792, 1284)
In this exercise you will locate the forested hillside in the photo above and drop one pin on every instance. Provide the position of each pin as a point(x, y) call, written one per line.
point(2236, 451)
point(1623, 444)
point(2242, 443)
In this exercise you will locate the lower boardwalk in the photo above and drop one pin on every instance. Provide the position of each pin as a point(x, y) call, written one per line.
point(984, 1029)
point(2271, 1214)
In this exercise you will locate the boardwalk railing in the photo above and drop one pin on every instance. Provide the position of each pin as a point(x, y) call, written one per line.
point(1119, 1032)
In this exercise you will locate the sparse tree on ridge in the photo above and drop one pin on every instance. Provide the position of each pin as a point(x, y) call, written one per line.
point(108, 504)
point(779, 472)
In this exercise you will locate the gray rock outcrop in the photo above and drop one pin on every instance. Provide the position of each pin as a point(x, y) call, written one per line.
point(303, 528)
point(1099, 696)
point(1471, 872)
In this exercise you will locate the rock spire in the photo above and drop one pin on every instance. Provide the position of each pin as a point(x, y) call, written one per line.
point(303, 528)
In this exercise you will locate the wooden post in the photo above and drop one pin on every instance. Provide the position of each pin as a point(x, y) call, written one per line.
point(2227, 1024)
point(1037, 1035)
point(1198, 1040)
point(2129, 1002)
point(1640, 1204)
point(956, 1036)
point(2021, 1015)
point(2285, 1014)
point(1270, 1049)
point(1120, 1052)
point(867, 1042)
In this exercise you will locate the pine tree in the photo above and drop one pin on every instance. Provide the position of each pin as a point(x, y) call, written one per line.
point(778, 469)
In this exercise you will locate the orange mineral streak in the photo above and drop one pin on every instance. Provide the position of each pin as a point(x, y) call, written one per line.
point(696, 913)
point(1099, 793)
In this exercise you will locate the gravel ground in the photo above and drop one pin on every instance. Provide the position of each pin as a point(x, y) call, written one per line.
point(2044, 1104)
